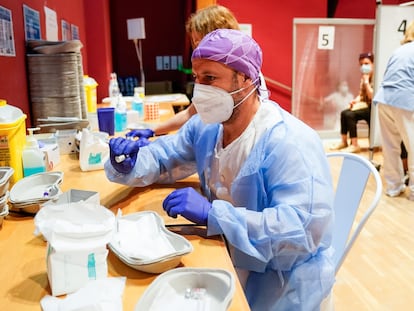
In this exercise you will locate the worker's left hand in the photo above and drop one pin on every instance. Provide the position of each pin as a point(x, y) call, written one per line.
point(188, 203)
point(123, 153)
point(140, 133)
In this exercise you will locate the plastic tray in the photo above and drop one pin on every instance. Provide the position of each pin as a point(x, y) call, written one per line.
point(29, 193)
point(155, 265)
point(34, 187)
point(189, 289)
point(5, 174)
point(4, 208)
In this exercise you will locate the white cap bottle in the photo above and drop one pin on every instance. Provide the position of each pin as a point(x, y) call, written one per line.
point(33, 158)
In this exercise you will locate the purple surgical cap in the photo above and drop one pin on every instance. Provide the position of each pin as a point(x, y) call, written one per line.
point(232, 48)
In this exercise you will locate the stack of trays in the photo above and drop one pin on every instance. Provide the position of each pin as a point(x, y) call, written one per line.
point(29, 193)
point(55, 88)
point(56, 80)
point(150, 264)
point(4, 208)
point(5, 174)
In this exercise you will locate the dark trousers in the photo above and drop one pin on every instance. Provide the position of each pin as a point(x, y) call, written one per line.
point(349, 120)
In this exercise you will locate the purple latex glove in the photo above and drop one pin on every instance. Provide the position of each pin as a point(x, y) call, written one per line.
point(144, 133)
point(123, 153)
point(188, 203)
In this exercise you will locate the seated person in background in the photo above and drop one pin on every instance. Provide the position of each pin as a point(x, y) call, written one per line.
point(359, 108)
point(265, 180)
point(334, 103)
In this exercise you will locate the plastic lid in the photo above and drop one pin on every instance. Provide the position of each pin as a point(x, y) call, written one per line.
point(89, 81)
point(9, 114)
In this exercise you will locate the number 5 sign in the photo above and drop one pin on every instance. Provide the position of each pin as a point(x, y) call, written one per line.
point(326, 37)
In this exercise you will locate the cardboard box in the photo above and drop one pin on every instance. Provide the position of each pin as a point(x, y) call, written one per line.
point(74, 195)
point(52, 155)
point(50, 148)
point(66, 140)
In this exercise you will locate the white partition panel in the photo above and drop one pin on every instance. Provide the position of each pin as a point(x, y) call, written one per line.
point(391, 21)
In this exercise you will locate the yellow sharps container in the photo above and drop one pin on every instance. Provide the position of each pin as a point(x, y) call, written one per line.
point(90, 93)
point(12, 138)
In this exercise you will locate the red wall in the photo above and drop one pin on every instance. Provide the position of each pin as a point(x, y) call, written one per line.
point(272, 25)
point(103, 32)
point(165, 35)
point(13, 81)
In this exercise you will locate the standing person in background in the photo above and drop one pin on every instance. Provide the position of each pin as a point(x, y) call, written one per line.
point(198, 25)
point(395, 99)
point(359, 108)
point(264, 176)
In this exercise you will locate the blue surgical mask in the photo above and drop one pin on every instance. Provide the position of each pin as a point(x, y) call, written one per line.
point(366, 68)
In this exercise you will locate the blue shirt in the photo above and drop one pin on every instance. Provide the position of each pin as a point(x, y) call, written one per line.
point(281, 222)
point(397, 87)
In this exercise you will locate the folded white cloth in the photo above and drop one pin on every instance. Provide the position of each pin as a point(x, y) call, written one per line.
point(100, 295)
point(143, 238)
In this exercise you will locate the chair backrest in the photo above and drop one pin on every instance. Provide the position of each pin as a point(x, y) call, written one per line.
point(350, 187)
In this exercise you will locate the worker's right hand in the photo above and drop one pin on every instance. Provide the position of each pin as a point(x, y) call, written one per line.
point(123, 153)
point(140, 133)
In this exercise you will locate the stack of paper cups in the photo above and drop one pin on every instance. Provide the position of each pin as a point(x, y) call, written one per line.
point(152, 111)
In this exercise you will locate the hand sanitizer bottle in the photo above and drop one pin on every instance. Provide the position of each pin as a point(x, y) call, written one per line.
point(120, 115)
point(33, 158)
point(138, 102)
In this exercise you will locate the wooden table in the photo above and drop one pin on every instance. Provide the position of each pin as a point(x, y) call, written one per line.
point(23, 275)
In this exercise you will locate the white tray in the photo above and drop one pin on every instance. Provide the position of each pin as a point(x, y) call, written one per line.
point(36, 187)
point(155, 265)
point(195, 289)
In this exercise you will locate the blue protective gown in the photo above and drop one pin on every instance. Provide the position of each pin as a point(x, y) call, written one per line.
point(280, 226)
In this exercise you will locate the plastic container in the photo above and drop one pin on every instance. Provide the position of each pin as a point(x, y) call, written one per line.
point(12, 138)
point(138, 102)
point(121, 117)
point(33, 158)
point(90, 85)
point(113, 90)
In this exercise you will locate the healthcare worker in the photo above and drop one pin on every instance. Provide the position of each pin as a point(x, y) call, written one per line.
point(199, 24)
point(264, 175)
point(395, 100)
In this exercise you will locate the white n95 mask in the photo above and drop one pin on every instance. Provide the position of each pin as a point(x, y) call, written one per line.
point(213, 104)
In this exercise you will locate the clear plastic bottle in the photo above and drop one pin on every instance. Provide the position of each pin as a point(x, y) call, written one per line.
point(113, 86)
point(120, 115)
point(138, 102)
point(33, 157)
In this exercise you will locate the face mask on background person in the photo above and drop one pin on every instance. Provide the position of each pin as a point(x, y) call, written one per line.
point(213, 104)
point(366, 68)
